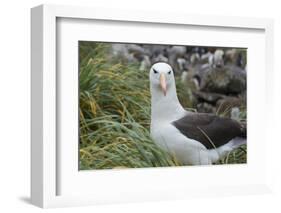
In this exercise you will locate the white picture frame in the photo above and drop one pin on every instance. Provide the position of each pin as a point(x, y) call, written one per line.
point(47, 163)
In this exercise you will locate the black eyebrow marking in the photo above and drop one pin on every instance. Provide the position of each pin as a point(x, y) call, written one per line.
point(155, 71)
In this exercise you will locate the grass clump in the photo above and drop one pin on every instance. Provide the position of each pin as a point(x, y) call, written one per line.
point(115, 114)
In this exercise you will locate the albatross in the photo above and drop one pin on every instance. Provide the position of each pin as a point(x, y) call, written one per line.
point(193, 138)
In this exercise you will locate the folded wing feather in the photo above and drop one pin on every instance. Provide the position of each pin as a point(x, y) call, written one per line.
point(210, 130)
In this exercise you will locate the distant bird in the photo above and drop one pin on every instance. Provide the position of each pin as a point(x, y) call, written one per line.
point(236, 57)
point(145, 63)
point(216, 60)
point(194, 138)
point(174, 53)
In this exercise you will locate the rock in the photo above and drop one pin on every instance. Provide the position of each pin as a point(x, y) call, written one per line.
point(226, 104)
point(211, 98)
point(223, 105)
point(206, 108)
point(225, 80)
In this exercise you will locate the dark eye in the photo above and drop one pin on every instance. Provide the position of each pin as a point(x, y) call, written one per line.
point(155, 72)
point(169, 72)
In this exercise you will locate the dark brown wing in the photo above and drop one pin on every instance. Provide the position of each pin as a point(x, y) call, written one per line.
point(210, 130)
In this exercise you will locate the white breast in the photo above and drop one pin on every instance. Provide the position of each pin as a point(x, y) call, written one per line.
point(186, 150)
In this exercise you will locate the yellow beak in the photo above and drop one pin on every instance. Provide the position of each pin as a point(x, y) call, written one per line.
point(163, 83)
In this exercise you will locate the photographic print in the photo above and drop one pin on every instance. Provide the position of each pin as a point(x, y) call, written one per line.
point(150, 105)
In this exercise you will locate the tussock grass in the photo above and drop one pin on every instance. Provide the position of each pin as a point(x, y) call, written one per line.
point(114, 113)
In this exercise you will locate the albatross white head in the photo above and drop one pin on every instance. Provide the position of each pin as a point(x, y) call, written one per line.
point(164, 100)
point(161, 78)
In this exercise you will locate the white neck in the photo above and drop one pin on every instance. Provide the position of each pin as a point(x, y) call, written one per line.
point(165, 107)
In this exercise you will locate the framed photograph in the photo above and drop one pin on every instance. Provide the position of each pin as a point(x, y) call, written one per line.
point(130, 106)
